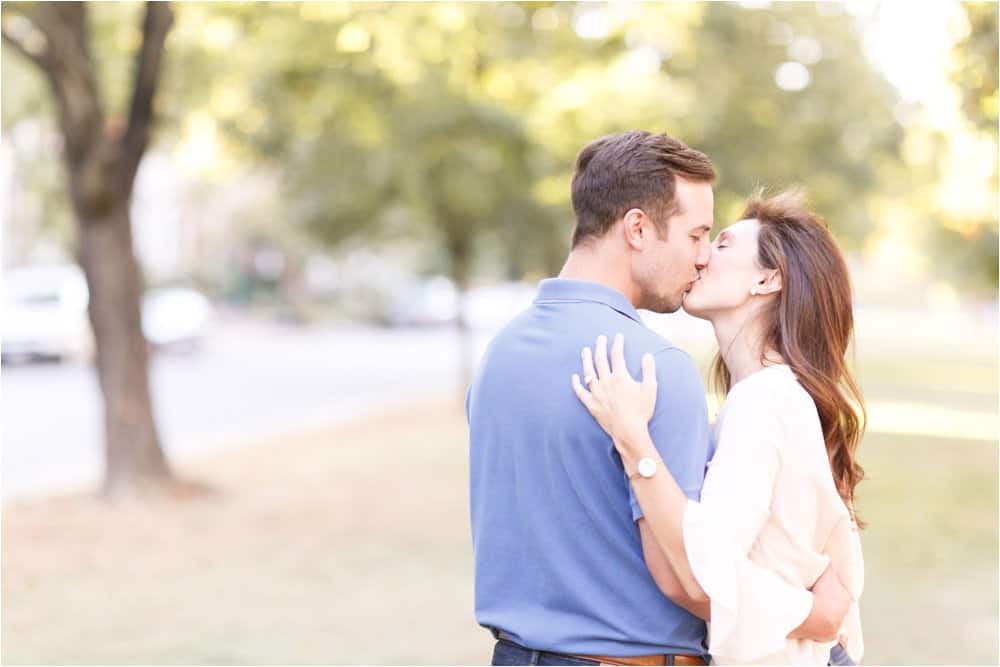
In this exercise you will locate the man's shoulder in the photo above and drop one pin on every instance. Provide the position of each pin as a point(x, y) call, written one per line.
point(637, 335)
point(584, 328)
point(676, 371)
point(674, 366)
point(640, 339)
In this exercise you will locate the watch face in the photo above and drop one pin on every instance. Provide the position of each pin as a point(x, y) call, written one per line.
point(647, 467)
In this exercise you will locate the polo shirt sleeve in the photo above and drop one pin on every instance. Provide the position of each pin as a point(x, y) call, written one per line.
point(679, 427)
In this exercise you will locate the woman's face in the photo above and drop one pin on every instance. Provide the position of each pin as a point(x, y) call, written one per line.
point(724, 284)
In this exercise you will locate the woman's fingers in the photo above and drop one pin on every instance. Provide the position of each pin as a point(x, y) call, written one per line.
point(582, 393)
point(601, 357)
point(588, 366)
point(618, 355)
point(648, 369)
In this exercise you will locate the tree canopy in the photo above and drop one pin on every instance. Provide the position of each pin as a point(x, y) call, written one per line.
point(454, 127)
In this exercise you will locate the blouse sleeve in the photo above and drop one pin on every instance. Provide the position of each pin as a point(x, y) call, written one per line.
point(844, 549)
point(753, 609)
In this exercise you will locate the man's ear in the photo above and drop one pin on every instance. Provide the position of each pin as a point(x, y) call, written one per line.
point(636, 228)
point(770, 283)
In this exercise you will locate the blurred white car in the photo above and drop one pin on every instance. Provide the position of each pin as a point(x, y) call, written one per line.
point(45, 314)
point(431, 302)
point(436, 301)
point(175, 316)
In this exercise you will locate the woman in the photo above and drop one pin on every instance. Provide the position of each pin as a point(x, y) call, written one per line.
point(779, 490)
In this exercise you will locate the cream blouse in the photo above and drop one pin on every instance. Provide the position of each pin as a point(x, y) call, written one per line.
point(769, 498)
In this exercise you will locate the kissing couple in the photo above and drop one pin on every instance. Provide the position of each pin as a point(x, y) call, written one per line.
point(611, 522)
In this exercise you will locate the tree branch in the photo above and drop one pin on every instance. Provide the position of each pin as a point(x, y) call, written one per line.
point(68, 67)
point(155, 27)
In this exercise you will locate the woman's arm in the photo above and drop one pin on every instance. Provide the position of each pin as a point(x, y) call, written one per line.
point(663, 505)
point(664, 575)
point(623, 408)
point(741, 493)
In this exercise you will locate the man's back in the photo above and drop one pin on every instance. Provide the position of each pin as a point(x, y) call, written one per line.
point(559, 562)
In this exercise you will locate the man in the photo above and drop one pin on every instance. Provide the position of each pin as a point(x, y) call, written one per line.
point(566, 570)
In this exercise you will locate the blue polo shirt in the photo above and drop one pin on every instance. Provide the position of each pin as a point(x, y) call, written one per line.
point(558, 558)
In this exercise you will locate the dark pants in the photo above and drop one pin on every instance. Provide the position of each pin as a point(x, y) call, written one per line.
point(508, 653)
point(838, 656)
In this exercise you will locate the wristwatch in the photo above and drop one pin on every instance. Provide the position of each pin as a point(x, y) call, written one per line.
point(647, 468)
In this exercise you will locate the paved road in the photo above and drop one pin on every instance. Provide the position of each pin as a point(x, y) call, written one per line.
point(250, 380)
point(254, 380)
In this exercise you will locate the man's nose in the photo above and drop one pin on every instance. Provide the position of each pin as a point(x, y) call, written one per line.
point(703, 256)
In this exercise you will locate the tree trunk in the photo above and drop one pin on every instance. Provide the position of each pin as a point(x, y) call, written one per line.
point(460, 254)
point(101, 161)
point(134, 460)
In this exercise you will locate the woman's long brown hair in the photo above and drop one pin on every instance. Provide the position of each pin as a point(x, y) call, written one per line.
point(811, 324)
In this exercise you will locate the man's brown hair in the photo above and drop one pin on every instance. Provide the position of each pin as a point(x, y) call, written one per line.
point(634, 169)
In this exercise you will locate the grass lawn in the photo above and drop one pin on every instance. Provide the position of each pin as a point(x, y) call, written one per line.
point(352, 546)
point(930, 551)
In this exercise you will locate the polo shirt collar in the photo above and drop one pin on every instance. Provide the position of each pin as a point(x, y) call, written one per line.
point(555, 290)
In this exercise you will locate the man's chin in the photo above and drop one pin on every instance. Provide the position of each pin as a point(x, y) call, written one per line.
point(664, 306)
